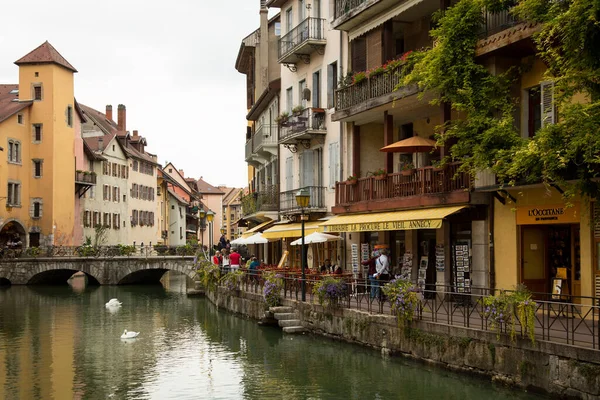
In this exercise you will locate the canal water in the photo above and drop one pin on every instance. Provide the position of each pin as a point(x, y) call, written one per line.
point(63, 343)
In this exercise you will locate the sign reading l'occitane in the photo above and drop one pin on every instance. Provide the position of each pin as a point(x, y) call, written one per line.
point(385, 226)
point(548, 214)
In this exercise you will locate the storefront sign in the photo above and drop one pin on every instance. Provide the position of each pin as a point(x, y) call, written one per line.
point(386, 226)
point(548, 214)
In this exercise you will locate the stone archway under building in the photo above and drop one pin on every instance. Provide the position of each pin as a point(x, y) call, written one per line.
point(13, 235)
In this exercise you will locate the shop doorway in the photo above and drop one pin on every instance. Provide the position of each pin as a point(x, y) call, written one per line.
point(426, 258)
point(551, 260)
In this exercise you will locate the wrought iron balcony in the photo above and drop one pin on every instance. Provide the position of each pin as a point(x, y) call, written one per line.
point(317, 200)
point(302, 126)
point(349, 14)
point(369, 90)
point(265, 138)
point(418, 183)
point(249, 150)
point(494, 22)
point(299, 43)
point(262, 201)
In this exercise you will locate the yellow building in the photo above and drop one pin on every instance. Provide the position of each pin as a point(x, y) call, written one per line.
point(37, 135)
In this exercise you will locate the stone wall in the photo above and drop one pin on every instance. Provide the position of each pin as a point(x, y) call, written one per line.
point(560, 370)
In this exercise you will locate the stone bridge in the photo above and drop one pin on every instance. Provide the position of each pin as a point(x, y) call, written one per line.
point(99, 271)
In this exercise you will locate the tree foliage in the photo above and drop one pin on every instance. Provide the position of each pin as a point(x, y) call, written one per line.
point(485, 135)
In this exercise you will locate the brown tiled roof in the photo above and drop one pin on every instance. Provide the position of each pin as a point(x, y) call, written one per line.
point(177, 197)
point(205, 187)
point(8, 105)
point(230, 194)
point(94, 141)
point(106, 125)
point(45, 53)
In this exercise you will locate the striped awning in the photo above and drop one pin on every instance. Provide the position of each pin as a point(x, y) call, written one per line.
point(382, 18)
point(426, 218)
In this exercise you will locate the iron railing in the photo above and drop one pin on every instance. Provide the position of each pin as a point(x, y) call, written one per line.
point(85, 177)
point(309, 29)
point(144, 251)
point(308, 120)
point(317, 199)
point(368, 89)
point(344, 7)
point(265, 135)
point(494, 22)
point(561, 322)
point(416, 182)
point(266, 199)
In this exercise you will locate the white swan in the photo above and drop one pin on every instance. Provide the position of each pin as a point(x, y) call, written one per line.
point(129, 335)
point(113, 303)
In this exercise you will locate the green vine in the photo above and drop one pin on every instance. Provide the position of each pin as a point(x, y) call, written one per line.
point(404, 299)
point(330, 291)
point(485, 134)
point(509, 308)
point(208, 274)
point(232, 280)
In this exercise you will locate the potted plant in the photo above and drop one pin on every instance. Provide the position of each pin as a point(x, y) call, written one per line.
point(380, 174)
point(282, 118)
point(297, 110)
point(359, 77)
point(406, 168)
point(352, 180)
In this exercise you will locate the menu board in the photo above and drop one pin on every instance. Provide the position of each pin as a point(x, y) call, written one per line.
point(462, 268)
point(423, 264)
point(407, 263)
point(440, 259)
point(354, 258)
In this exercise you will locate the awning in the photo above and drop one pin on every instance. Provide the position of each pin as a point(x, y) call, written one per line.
point(381, 18)
point(426, 218)
point(291, 230)
point(256, 229)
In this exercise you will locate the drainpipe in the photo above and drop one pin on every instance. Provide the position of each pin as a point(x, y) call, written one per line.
point(341, 140)
point(491, 246)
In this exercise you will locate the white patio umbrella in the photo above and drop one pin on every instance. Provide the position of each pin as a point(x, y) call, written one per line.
point(238, 241)
point(257, 238)
point(315, 237)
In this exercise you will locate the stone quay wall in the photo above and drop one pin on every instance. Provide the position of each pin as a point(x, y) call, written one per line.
point(559, 370)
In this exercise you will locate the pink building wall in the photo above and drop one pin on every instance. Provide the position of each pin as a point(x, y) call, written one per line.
point(82, 164)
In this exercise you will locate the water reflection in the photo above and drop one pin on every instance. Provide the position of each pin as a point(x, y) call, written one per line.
point(63, 343)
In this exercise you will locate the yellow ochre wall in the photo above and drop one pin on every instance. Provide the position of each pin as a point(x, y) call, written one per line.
point(507, 251)
point(56, 187)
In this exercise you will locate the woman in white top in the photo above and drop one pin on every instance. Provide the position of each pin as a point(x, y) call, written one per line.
point(226, 262)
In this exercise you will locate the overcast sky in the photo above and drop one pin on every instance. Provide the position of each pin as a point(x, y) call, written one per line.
point(170, 62)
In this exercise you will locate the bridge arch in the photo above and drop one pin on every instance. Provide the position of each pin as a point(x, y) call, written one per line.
point(153, 270)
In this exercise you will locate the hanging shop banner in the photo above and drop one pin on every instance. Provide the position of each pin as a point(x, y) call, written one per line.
point(548, 214)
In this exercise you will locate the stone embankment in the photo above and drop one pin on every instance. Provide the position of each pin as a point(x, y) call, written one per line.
point(559, 370)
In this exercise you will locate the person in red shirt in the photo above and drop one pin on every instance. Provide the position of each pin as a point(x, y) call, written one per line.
point(234, 258)
point(217, 258)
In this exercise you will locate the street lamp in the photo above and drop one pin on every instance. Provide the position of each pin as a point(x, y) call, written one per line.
point(202, 215)
point(302, 199)
point(210, 215)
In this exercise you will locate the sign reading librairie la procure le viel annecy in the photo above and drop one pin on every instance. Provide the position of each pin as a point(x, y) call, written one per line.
point(385, 226)
point(548, 214)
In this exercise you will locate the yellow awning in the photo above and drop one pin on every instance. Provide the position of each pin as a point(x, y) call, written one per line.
point(291, 230)
point(256, 229)
point(426, 218)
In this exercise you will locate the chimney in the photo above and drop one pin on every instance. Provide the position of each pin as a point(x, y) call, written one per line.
point(261, 79)
point(181, 173)
point(100, 143)
point(135, 133)
point(121, 115)
point(109, 112)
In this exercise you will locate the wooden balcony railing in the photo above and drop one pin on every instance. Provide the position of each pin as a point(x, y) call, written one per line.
point(417, 182)
point(368, 89)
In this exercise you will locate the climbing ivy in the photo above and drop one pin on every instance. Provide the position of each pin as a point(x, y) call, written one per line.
point(485, 136)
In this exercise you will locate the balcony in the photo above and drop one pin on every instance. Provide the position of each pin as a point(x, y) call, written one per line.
point(265, 139)
point(426, 186)
point(262, 202)
point(288, 203)
point(249, 153)
point(84, 180)
point(501, 30)
point(303, 126)
point(351, 14)
point(299, 43)
point(370, 93)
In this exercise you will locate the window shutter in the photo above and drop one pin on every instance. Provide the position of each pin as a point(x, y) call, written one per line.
point(331, 165)
point(548, 114)
point(330, 85)
point(289, 173)
point(308, 177)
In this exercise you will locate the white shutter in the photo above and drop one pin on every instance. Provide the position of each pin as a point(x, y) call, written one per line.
point(548, 115)
point(336, 173)
point(334, 163)
point(308, 175)
point(289, 173)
